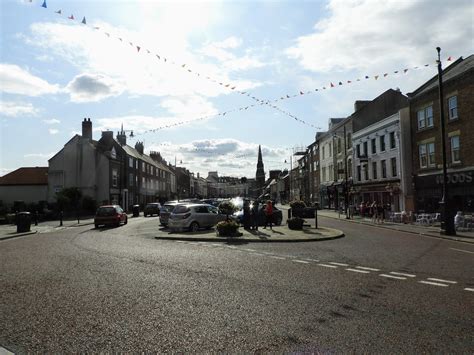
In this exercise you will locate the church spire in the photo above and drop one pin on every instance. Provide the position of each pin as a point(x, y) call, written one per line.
point(260, 174)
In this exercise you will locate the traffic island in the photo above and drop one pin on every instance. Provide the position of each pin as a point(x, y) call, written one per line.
point(275, 235)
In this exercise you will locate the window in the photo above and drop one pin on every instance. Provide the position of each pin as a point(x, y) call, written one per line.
point(130, 162)
point(431, 154)
point(393, 144)
point(331, 173)
point(143, 182)
point(349, 168)
point(374, 170)
point(324, 151)
point(359, 177)
point(422, 155)
point(365, 149)
point(330, 150)
point(366, 171)
point(130, 179)
point(455, 149)
point(373, 144)
point(113, 153)
point(136, 164)
point(339, 146)
point(384, 168)
point(382, 143)
point(349, 140)
point(323, 173)
point(393, 163)
point(143, 167)
point(453, 107)
point(358, 150)
point(425, 117)
point(114, 177)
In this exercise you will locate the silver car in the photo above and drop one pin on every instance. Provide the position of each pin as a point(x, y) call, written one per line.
point(192, 217)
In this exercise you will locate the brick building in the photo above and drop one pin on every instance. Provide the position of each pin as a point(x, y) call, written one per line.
point(458, 87)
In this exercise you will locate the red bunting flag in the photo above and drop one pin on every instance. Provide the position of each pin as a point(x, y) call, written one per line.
point(449, 59)
point(71, 17)
point(332, 85)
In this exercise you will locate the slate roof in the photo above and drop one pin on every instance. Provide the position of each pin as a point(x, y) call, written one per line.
point(26, 176)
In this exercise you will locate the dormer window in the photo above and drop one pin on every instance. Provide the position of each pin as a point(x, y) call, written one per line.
point(113, 153)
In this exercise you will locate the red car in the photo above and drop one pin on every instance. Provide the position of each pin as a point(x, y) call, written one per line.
point(110, 215)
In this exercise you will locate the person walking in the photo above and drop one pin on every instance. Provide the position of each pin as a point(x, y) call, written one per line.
point(254, 215)
point(268, 214)
point(373, 210)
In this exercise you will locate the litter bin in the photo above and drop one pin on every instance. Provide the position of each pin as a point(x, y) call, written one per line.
point(136, 210)
point(23, 222)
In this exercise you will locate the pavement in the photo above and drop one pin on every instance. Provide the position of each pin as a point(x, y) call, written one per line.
point(429, 231)
point(277, 234)
point(8, 231)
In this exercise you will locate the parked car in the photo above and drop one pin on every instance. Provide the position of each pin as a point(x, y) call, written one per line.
point(110, 215)
point(277, 215)
point(192, 217)
point(151, 209)
point(166, 210)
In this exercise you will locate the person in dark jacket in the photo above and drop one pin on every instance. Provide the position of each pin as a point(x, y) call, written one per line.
point(246, 209)
point(254, 215)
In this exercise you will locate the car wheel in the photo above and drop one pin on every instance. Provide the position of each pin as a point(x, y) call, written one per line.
point(194, 227)
point(278, 221)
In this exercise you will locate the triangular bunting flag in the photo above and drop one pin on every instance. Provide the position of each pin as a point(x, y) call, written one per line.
point(138, 48)
point(405, 70)
point(324, 88)
point(183, 65)
point(332, 85)
point(157, 56)
point(340, 83)
point(71, 17)
point(358, 80)
point(148, 51)
point(366, 76)
point(44, 4)
point(227, 85)
point(288, 96)
point(233, 87)
point(131, 43)
point(449, 59)
point(96, 28)
point(376, 77)
point(58, 12)
point(301, 93)
point(395, 72)
point(189, 70)
point(348, 81)
point(385, 74)
point(316, 90)
point(84, 21)
point(427, 65)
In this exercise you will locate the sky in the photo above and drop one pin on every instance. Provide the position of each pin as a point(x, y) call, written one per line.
point(206, 83)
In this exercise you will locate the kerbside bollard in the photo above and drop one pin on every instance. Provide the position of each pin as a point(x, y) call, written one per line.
point(36, 218)
point(289, 213)
point(316, 218)
point(61, 218)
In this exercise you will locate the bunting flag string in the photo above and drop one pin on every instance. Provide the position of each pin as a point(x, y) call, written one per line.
point(229, 86)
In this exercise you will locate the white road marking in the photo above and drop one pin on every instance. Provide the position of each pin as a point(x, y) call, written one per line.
point(402, 274)
point(249, 249)
point(367, 268)
point(469, 289)
point(277, 257)
point(338, 264)
point(216, 245)
point(259, 254)
point(441, 280)
point(356, 270)
point(433, 283)
point(315, 260)
point(300, 261)
point(465, 251)
point(393, 277)
point(180, 241)
point(325, 265)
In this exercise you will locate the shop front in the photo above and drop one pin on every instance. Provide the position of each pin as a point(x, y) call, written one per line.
point(386, 193)
point(429, 191)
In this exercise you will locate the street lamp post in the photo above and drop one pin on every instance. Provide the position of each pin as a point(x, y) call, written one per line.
point(447, 224)
point(346, 191)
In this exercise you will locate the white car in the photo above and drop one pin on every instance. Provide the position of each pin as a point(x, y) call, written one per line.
point(192, 217)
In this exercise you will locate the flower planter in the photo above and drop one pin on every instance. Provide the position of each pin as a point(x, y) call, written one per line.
point(295, 223)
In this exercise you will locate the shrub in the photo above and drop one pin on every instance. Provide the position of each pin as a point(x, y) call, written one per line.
point(227, 208)
point(227, 228)
point(297, 204)
point(295, 223)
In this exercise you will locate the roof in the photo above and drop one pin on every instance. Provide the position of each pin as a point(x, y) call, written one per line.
point(26, 176)
point(457, 68)
point(146, 158)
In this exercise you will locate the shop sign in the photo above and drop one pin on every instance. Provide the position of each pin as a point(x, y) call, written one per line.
point(455, 178)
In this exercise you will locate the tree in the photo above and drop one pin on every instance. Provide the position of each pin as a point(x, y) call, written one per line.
point(68, 198)
point(227, 208)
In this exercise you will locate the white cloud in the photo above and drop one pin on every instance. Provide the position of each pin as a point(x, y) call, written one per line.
point(228, 156)
point(39, 155)
point(92, 88)
point(373, 34)
point(53, 131)
point(15, 109)
point(52, 121)
point(16, 80)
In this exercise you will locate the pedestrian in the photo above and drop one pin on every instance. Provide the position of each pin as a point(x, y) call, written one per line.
point(373, 211)
point(268, 214)
point(381, 212)
point(362, 209)
point(254, 215)
point(246, 211)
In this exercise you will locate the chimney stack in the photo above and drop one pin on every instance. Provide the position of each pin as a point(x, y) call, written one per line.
point(359, 104)
point(87, 129)
point(139, 147)
point(122, 137)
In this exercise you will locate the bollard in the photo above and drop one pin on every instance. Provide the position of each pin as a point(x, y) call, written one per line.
point(36, 218)
point(316, 218)
point(289, 213)
point(61, 218)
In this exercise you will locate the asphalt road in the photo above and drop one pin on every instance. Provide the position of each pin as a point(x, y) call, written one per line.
point(120, 289)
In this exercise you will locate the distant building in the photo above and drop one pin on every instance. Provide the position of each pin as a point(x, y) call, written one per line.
point(29, 185)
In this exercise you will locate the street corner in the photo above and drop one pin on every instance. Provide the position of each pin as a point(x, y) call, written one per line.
point(10, 235)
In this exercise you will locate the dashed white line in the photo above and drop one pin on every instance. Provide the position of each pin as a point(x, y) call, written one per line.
point(441, 280)
point(300, 261)
point(277, 257)
point(357, 270)
point(338, 264)
point(393, 277)
point(216, 245)
point(402, 274)
point(469, 289)
point(313, 260)
point(249, 249)
point(464, 251)
point(367, 268)
point(326, 265)
point(433, 283)
point(180, 241)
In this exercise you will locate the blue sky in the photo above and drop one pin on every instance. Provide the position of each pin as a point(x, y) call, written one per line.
point(55, 71)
